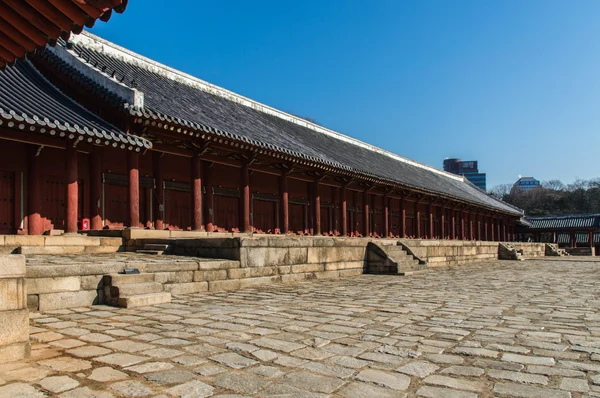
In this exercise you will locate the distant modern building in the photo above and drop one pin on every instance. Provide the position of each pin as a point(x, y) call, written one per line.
point(467, 168)
point(525, 184)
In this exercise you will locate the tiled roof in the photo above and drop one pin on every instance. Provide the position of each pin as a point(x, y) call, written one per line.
point(566, 222)
point(174, 97)
point(31, 103)
point(31, 24)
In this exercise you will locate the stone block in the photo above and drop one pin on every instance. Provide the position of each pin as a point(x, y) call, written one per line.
point(211, 275)
point(175, 266)
point(323, 242)
point(24, 240)
point(72, 240)
point(284, 269)
point(111, 241)
point(14, 327)
point(241, 273)
point(53, 285)
point(335, 254)
point(188, 234)
point(13, 295)
point(92, 282)
point(346, 273)
point(344, 265)
point(103, 249)
point(302, 268)
point(298, 277)
point(266, 280)
point(297, 255)
point(186, 288)
point(255, 242)
point(15, 351)
point(28, 250)
point(328, 274)
point(174, 277)
point(231, 284)
point(217, 264)
point(288, 241)
point(140, 233)
point(12, 266)
point(263, 256)
point(59, 301)
point(2, 240)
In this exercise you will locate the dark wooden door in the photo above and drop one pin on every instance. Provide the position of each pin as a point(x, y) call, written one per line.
point(53, 204)
point(297, 216)
point(226, 210)
point(178, 209)
point(7, 202)
point(116, 205)
point(326, 220)
point(264, 214)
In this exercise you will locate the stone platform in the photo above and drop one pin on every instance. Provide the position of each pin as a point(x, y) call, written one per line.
point(502, 329)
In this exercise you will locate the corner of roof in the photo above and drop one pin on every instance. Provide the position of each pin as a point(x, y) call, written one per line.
point(129, 95)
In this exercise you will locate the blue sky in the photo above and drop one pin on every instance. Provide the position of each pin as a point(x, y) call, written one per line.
point(513, 84)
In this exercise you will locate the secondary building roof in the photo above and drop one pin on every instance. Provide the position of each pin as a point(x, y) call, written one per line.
point(171, 96)
point(567, 222)
point(31, 103)
point(31, 24)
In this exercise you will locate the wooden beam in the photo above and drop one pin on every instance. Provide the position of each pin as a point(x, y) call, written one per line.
point(32, 138)
point(51, 13)
point(36, 19)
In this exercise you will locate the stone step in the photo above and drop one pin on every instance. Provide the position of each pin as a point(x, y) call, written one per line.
point(135, 289)
point(151, 252)
point(142, 300)
point(415, 272)
point(127, 279)
point(156, 246)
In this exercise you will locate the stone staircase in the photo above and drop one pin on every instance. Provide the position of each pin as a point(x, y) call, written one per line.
point(157, 249)
point(393, 259)
point(552, 250)
point(506, 251)
point(133, 290)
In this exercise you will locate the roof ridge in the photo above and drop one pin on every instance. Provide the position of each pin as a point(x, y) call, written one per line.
point(102, 45)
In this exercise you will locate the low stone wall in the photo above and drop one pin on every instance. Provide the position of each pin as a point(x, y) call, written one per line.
point(530, 249)
point(441, 253)
point(62, 244)
point(581, 251)
point(14, 316)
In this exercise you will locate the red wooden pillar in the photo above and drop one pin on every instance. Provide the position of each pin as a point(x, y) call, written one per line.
point(344, 211)
point(463, 232)
point(316, 209)
point(504, 237)
point(34, 202)
point(336, 212)
point(453, 222)
point(197, 171)
point(470, 215)
point(386, 216)
point(417, 225)
point(159, 208)
point(96, 188)
point(72, 189)
point(443, 221)
point(366, 211)
point(591, 239)
point(431, 233)
point(285, 205)
point(245, 202)
point(134, 189)
point(485, 228)
point(209, 208)
point(478, 226)
point(403, 217)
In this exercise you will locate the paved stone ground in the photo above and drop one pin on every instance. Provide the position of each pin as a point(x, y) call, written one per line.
point(523, 329)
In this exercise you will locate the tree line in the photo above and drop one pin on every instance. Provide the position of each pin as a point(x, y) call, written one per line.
point(553, 198)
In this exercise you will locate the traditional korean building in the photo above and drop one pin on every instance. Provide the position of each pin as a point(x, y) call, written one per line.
point(573, 230)
point(94, 136)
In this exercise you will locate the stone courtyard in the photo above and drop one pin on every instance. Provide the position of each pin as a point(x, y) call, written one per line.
point(521, 329)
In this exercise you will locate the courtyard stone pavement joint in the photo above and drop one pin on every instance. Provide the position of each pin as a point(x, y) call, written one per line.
point(500, 329)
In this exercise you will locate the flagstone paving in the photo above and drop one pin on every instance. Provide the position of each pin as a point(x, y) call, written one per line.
point(519, 329)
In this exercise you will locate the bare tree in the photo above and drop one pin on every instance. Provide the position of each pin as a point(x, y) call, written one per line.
point(555, 185)
point(501, 191)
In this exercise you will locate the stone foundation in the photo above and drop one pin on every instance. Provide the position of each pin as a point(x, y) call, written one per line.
point(14, 316)
point(581, 251)
point(62, 244)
